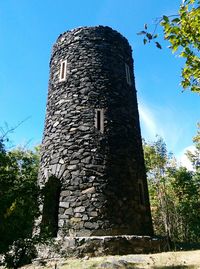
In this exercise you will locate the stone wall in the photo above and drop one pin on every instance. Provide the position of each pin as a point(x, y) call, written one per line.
point(100, 246)
point(101, 170)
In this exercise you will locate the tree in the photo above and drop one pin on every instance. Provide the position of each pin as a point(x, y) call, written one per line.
point(187, 204)
point(174, 194)
point(183, 33)
point(194, 157)
point(18, 191)
point(156, 161)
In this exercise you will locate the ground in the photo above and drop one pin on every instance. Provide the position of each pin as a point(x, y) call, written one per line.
point(165, 260)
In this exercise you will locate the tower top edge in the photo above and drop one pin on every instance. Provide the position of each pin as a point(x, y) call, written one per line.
point(93, 33)
point(100, 28)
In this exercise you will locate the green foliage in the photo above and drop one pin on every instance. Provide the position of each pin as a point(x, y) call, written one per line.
point(149, 37)
point(187, 203)
point(194, 157)
point(156, 160)
point(174, 194)
point(155, 156)
point(22, 252)
point(183, 33)
point(18, 191)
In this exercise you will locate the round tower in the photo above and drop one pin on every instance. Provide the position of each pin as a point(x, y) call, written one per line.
point(92, 166)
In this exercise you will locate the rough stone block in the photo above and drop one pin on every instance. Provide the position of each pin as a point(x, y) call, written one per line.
point(89, 190)
point(64, 204)
point(79, 209)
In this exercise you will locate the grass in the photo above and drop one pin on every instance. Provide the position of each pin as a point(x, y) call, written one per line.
point(165, 260)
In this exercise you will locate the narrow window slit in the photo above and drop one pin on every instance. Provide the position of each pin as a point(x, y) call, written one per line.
point(63, 70)
point(99, 120)
point(128, 75)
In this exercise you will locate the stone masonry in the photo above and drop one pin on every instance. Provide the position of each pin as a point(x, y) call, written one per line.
point(92, 166)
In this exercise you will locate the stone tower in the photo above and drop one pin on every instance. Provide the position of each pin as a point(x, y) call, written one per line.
point(92, 165)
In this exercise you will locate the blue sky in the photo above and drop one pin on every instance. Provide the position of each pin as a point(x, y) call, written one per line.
point(28, 30)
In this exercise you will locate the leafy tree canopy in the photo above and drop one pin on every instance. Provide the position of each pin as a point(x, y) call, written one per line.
point(194, 156)
point(174, 191)
point(18, 192)
point(183, 33)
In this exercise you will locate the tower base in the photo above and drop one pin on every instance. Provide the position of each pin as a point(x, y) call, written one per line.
point(101, 245)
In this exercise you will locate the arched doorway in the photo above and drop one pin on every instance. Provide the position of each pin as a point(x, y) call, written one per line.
point(51, 192)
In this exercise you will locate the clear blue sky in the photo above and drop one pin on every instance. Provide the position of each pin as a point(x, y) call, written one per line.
point(28, 30)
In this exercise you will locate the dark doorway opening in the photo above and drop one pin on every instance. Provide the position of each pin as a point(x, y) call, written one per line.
point(51, 192)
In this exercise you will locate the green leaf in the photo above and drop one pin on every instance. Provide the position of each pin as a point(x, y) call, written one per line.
point(149, 36)
point(183, 54)
point(182, 32)
point(144, 41)
point(158, 45)
point(141, 33)
point(165, 18)
point(176, 20)
point(175, 47)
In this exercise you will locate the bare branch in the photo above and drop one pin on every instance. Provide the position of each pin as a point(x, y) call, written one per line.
point(4, 133)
